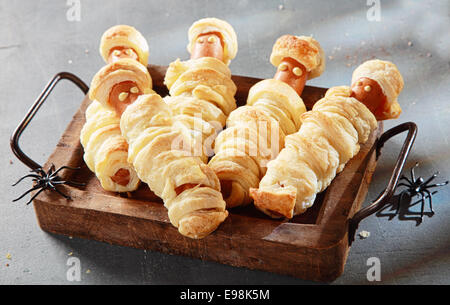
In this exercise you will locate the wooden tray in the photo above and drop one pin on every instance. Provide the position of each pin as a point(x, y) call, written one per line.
point(312, 246)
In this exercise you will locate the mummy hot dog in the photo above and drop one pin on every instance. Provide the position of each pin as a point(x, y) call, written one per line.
point(189, 188)
point(201, 89)
point(255, 132)
point(329, 137)
point(123, 41)
point(377, 84)
point(106, 150)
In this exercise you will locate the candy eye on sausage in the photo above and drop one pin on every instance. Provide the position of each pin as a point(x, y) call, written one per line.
point(369, 92)
point(122, 52)
point(208, 45)
point(377, 84)
point(123, 41)
point(292, 73)
point(123, 94)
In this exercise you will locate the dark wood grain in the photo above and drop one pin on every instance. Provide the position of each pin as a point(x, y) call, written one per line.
point(311, 246)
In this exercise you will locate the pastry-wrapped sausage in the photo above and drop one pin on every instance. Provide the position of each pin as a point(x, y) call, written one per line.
point(123, 41)
point(106, 150)
point(204, 83)
point(119, 83)
point(255, 133)
point(330, 135)
point(189, 188)
point(377, 84)
point(209, 27)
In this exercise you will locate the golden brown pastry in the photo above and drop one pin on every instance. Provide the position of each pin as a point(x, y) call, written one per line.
point(220, 27)
point(330, 135)
point(157, 149)
point(201, 90)
point(119, 83)
point(255, 133)
point(123, 41)
point(189, 188)
point(377, 83)
point(304, 49)
point(106, 151)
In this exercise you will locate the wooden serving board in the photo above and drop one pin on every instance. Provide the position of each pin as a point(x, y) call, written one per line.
point(311, 246)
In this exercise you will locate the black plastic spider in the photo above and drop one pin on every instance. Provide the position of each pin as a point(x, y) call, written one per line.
point(47, 180)
point(418, 187)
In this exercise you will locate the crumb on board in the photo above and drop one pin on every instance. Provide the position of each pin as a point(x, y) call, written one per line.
point(88, 271)
point(364, 234)
point(70, 254)
point(8, 256)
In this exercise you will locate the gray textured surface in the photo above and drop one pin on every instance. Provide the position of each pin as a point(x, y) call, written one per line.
point(36, 41)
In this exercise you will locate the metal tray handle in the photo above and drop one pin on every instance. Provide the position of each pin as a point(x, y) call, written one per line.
point(14, 142)
point(386, 196)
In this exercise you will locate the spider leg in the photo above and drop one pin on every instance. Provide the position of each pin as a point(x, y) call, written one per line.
point(65, 167)
point(68, 183)
point(39, 171)
point(62, 194)
point(58, 191)
point(413, 175)
point(35, 195)
point(403, 184)
point(431, 178)
point(429, 200)
point(30, 175)
point(422, 206)
point(403, 177)
point(29, 191)
point(49, 173)
point(437, 184)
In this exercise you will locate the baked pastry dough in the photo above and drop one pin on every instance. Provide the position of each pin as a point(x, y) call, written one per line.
point(255, 133)
point(123, 70)
point(124, 36)
point(304, 49)
point(390, 80)
point(201, 97)
point(105, 150)
point(189, 188)
point(157, 148)
point(330, 135)
point(209, 25)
